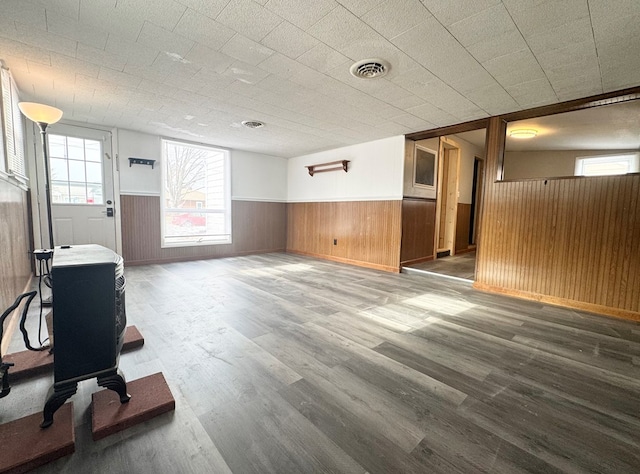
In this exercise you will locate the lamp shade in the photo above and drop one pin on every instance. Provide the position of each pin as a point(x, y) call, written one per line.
point(40, 113)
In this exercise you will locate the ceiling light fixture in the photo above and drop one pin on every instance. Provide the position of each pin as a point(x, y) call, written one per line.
point(252, 124)
point(523, 133)
point(370, 68)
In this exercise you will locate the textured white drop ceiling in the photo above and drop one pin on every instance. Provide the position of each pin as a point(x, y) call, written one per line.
point(195, 69)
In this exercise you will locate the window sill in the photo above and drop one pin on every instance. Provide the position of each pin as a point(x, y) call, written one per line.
point(19, 181)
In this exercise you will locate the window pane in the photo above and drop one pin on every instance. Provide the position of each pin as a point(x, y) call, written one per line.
point(76, 171)
point(59, 170)
point(94, 193)
point(78, 193)
point(92, 150)
point(57, 146)
point(59, 192)
point(94, 172)
point(76, 148)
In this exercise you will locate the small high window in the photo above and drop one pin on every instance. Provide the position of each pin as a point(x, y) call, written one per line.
point(607, 165)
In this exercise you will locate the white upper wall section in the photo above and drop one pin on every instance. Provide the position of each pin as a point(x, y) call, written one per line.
point(375, 173)
point(254, 176)
point(257, 177)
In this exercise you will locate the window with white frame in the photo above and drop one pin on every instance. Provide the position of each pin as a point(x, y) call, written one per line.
point(196, 194)
point(12, 122)
point(76, 170)
point(607, 165)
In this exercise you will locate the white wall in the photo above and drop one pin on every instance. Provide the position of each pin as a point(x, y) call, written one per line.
point(257, 177)
point(468, 153)
point(253, 176)
point(547, 164)
point(139, 179)
point(375, 173)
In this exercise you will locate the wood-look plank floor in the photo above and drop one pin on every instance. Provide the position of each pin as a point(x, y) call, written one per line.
point(286, 364)
point(460, 266)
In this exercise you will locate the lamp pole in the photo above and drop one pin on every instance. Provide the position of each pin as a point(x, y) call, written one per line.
point(47, 188)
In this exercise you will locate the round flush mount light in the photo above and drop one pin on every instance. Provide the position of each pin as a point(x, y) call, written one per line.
point(370, 68)
point(523, 133)
point(252, 124)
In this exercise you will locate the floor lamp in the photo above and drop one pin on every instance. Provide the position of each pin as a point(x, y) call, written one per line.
point(43, 115)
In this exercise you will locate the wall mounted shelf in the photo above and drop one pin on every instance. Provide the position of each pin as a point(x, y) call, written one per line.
point(330, 166)
point(141, 161)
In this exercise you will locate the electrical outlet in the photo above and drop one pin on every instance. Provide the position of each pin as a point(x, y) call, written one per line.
point(335, 241)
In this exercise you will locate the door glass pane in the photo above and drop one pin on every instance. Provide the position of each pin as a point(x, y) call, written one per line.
point(94, 194)
point(78, 193)
point(60, 192)
point(76, 171)
point(59, 170)
point(57, 146)
point(92, 150)
point(75, 147)
point(94, 172)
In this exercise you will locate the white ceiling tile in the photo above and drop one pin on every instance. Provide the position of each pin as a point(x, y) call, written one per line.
point(100, 57)
point(249, 18)
point(433, 114)
point(341, 28)
point(514, 68)
point(323, 58)
point(483, 26)
point(135, 54)
point(74, 66)
point(451, 11)
point(578, 31)
point(154, 36)
point(384, 49)
point(393, 17)
point(202, 29)
point(493, 99)
point(301, 14)
point(206, 57)
point(282, 66)
point(163, 13)
point(118, 78)
point(573, 53)
point(244, 49)
point(537, 17)
point(289, 40)
point(70, 8)
point(24, 12)
point(359, 7)
point(44, 40)
point(210, 8)
point(413, 122)
point(245, 72)
point(496, 46)
point(103, 15)
point(532, 93)
point(11, 47)
point(72, 29)
point(622, 74)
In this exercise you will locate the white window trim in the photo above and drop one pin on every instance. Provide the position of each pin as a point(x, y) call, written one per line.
point(227, 178)
point(633, 159)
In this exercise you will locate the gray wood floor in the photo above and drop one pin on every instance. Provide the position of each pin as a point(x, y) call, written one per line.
point(285, 364)
point(461, 266)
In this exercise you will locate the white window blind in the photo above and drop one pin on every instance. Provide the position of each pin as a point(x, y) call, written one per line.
point(13, 125)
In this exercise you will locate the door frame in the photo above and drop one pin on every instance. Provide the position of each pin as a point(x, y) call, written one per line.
point(446, 144)
point(35, 163)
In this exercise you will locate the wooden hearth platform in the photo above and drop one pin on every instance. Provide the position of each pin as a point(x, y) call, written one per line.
point(26, 446)
point(31, 363)
point(150, 397)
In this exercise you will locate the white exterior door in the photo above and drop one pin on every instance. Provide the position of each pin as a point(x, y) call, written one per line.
point(82, 186)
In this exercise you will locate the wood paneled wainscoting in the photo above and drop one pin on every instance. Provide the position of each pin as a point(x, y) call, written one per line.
point(15, 242)
point(366, 233)
point(463, 225)
point(572, 241)
point(257, 227)
point(418, 230)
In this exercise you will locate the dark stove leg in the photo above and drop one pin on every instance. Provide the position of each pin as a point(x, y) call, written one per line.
point(55, 399)
point(115, 382)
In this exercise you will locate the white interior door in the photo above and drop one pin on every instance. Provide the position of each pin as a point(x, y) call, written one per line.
point(82, 186)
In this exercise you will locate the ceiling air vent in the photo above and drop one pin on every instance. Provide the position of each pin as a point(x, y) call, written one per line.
point(370, 68)
point(252, 124)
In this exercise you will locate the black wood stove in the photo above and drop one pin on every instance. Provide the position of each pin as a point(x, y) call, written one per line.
point(89, 322)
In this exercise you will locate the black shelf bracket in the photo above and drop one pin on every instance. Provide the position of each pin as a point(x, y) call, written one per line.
point(141, 161)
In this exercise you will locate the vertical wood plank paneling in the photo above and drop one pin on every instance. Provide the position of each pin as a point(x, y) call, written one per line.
point(463, 222)
point(367, 232)
point(15, 242)
point(418, 227)
point(257, 227)
point(570, 241)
